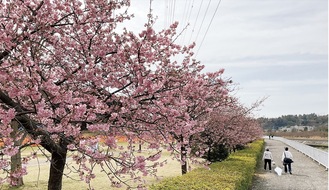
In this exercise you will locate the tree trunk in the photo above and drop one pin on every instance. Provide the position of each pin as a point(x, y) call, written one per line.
point(16, 160)
point(140, 146)
point(183, 158)
point(58, 160)
point(16, 164)
point(58, 151)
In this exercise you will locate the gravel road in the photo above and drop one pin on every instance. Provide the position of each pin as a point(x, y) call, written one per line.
point(306, 173)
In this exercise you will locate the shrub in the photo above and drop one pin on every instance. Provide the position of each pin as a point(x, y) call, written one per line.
point(217, 153)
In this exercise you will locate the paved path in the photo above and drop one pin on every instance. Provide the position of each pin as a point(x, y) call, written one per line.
point(306, 173)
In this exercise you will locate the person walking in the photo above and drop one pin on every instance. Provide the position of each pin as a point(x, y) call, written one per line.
point(287, 160)
point(267, 157)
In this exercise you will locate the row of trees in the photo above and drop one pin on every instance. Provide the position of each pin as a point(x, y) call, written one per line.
point(66, 69)
point(318, 121)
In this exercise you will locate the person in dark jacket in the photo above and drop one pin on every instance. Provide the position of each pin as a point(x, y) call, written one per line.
point(287, 154)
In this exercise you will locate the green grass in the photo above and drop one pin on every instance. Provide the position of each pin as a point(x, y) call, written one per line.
point(234, 173)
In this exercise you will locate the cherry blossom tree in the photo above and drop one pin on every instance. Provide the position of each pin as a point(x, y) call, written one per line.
point(65, 69)
point(229, 126)
point(201, 94)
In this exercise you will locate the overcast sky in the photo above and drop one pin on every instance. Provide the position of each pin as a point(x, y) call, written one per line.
point(269, 48)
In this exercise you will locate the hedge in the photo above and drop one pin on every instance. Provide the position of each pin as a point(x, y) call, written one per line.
point(236, 172)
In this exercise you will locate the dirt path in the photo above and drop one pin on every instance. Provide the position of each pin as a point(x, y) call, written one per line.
point(306, 173)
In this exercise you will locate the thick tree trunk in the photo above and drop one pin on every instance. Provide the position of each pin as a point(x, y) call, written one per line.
point(58, 160)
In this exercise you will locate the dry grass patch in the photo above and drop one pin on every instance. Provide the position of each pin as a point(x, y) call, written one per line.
point(38, 173)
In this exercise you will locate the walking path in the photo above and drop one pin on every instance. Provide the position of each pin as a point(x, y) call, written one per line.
point(306, 173)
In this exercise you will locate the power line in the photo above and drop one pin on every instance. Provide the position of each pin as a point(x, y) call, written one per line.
point(165, 14)
point(187, 18)
point(204, 16)
point(184, 10)
point(173, 11)
point(170, 7)
point(196, 19)
point(208, 26)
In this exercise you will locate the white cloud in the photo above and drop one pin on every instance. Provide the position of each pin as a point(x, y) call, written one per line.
point(275, 48)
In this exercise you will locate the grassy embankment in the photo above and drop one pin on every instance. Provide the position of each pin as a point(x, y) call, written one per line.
point(235, 173)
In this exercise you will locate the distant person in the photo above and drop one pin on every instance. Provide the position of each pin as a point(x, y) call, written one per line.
point(287, 160)
point(267, 157)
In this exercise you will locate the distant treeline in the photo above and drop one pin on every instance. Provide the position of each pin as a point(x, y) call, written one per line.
point(320, 122)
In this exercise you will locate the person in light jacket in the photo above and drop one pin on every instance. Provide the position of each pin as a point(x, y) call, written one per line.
point(286, 154)
point(267, 157)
